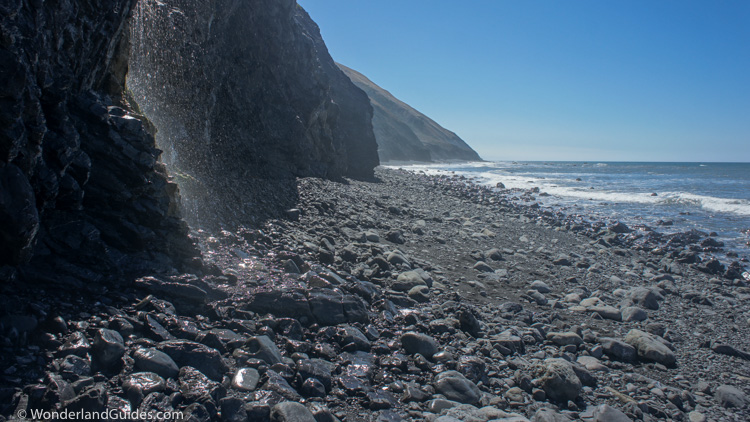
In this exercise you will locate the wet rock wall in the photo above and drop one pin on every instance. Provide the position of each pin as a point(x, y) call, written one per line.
point(83, 196)
point(245, 90)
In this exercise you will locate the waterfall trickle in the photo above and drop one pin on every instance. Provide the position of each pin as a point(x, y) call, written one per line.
point(244, 93)
point(166, 80)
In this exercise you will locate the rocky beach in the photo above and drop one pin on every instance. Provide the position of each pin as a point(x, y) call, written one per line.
point(412, 297)
point(194, 226)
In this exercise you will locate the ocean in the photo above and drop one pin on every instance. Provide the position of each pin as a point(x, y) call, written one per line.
point(668, 197)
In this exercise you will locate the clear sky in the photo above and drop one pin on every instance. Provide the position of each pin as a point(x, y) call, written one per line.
point(625, 80)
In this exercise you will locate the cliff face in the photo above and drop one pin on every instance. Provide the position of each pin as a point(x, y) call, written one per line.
point(240, 90)
point(405, 134)
point(244, 89)
point(83, 197)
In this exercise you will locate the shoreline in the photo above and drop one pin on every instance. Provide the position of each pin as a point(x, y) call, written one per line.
point(380, 290)
point(668, 213)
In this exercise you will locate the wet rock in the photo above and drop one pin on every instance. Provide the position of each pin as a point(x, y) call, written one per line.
point(233, 409)
point(77, 344)
point(187, 292)
point(472, 368)
point(278, 384)
point(196, 412)
point(730, 396)
point(94, 399)
point(355, 309)
point(138, 385)
point(108, 347)
point(469, 322)
point(152, 360)
point(122, 326)
point(281, 303)
point(456, 387)
point(261, 347)
point(379, 399)
point(316, 368)
point(352, 385)
point(246, 379)
point(558, 379)
point(291, 412)
point(509, 342)
point(201, 357)
point(195, 386)
point(651, 347)
point(156, 331)
point(414, 393)
point(351, 339)
point(74, 367)
point(57, 390)
point(313, 387)
point(326, 306)
point(423, 344)
point(259, 410)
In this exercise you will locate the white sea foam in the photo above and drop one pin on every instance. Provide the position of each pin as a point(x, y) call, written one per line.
point(553, 187)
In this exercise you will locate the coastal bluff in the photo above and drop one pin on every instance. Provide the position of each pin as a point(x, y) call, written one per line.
point(405, 134)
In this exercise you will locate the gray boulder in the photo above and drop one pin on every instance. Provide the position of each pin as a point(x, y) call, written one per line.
point(291, 412)
point(454, 386)
point(651, 347)
point(607, 413)
point(558, 379)
point(423, 344)
point(152, 360)
point(729, 396)
point(261, 347)
point(618, 349)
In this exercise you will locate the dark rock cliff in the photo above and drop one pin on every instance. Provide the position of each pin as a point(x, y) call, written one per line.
point(83, 197)
point(405, 134)
point(244, 90)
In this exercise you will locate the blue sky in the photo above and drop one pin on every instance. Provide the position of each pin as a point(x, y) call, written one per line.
point(635, 80)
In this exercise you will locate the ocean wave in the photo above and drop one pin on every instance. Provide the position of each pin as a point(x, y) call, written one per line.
point(556, 187)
